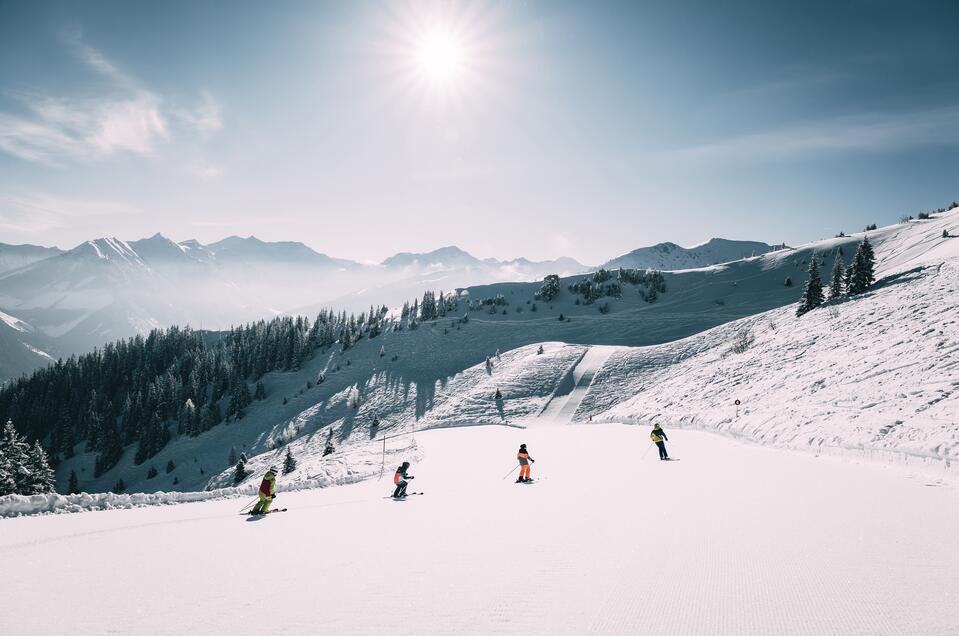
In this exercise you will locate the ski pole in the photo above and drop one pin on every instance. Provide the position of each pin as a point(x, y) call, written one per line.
point(510, 472)
point(647, 451)
point(249, 504)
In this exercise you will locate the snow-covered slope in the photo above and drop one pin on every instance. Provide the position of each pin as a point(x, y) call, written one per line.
point(732, 539)
point(22, 347)
point(669, 256)
point(439, 376)
point(875, 373)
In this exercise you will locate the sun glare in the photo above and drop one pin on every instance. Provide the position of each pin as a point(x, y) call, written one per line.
point(439, 56)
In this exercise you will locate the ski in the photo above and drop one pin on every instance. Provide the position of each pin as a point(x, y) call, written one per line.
point(263, 514)
point(401, 498)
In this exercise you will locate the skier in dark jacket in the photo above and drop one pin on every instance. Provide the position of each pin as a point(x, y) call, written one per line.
point(658, 435)
point(401, 479)
point(524, 462)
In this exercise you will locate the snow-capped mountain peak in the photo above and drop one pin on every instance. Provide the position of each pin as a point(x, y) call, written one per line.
point(670, 256)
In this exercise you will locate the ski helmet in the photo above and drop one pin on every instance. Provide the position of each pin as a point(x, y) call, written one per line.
point(271, 469)
point(406, 464)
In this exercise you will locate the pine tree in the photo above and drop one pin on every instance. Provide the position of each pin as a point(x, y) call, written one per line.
point(260, 393)
point(289, 463)
point(812, 295)
point(14, 458)
point(232, 459)
point(240, 473)
point(40, 479)
point(73, 486)
point(861, 274)
point(170, 467)
point(152, 472)
point(838, 274)
point(119, 486)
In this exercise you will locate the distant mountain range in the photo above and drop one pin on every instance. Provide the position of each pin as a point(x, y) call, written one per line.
point(57, 303)
point(669, 256)
point(14, 256)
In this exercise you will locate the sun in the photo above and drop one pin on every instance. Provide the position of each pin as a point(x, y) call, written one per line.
point(440, 56)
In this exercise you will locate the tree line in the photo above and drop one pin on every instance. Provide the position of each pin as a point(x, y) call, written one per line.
point(845, 281)
point(179, 381)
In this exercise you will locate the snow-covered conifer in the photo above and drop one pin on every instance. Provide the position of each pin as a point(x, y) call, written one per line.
point(13, 461)
point(838, 276)
point(812, 295)
point(289, 462)
point(240, 473)
point(861, 274)
point(40, 479)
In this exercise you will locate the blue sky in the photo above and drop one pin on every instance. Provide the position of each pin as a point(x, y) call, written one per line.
point(564, 128)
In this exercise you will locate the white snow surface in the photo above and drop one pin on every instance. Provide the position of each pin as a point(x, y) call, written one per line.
point(875, 375)
point(731, 539)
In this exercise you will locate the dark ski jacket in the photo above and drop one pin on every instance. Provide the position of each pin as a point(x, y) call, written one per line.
point(401, 475)
point(658, 435)
point(523, 457)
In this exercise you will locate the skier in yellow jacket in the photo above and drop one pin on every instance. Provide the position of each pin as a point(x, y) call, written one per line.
point(267, 493)
point(658, 435)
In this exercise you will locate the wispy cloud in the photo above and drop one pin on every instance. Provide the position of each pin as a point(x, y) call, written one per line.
point(872, 132)
point(37, 213)
point(127, 118)
point(204, 171)
point(205, 118)
point(232, 223)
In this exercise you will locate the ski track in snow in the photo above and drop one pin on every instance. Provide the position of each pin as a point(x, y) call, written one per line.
point(735, 539)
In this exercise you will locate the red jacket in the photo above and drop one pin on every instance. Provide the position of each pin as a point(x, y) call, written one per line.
point(268, 485)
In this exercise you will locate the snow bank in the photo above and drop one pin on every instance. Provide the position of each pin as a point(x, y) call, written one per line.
point(20, 505)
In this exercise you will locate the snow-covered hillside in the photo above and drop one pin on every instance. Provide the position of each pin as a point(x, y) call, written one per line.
point(877, 373)
point(439, 376)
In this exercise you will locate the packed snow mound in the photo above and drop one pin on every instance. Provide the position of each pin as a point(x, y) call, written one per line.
point(23, 505)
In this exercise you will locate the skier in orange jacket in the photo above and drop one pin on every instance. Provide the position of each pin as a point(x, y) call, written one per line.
point(524, 464)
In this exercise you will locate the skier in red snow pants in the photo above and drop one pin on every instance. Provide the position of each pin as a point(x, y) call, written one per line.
point(400, 479)
point(524, 464)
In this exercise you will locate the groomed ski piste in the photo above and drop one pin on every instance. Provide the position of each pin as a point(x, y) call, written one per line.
point(853, 534)
point(734, 539)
